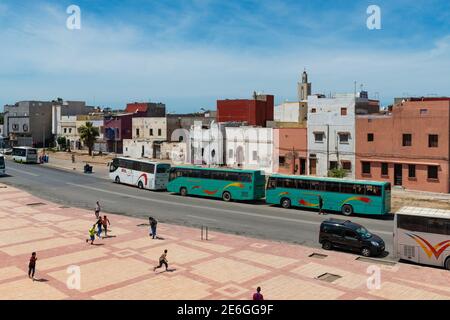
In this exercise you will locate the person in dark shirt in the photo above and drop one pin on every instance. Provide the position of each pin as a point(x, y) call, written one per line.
point(257, 295)
point(162, 261)
point(153, 224)
point(32, 265)
point(320, 205)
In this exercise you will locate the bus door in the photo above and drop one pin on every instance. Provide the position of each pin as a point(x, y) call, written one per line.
point(161, 176)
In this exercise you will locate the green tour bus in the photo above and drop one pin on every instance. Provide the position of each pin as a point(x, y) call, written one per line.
point(346, 196)
point(227, 184)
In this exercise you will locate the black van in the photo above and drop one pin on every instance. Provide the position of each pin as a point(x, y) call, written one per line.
point(349, 236)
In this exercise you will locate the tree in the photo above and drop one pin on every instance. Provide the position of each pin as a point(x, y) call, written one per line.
point(337, 173)
point(88, 135)
point(62, 142)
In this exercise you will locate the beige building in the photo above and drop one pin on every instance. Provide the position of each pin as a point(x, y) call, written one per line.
point(152, 129)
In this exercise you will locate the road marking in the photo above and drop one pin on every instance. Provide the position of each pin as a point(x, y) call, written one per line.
point(202, 218)
point(23, 171)
point(210, 208)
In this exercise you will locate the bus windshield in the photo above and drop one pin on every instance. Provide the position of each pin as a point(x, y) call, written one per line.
point(31, 151)
point(163, 168)
point(364, 233)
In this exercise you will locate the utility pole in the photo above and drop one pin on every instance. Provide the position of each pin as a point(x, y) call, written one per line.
point(328, 148)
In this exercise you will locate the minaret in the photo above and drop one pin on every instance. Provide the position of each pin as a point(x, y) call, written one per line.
point(304, 87)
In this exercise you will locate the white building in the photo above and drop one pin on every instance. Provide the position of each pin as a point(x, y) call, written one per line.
point(207, 144)
point(148, 135)
point(249, 148)
point(331, 131)
point(292, 112)
point(1, 131)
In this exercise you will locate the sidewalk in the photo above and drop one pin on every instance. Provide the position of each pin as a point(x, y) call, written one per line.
point(100, 170)
point(224, 267)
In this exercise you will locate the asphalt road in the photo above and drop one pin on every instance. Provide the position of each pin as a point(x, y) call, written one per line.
point(249, 219)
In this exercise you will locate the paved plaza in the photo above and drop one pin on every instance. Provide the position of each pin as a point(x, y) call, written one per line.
point(224, 267)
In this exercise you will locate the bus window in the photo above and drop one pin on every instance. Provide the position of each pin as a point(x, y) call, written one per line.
point(147, 167)
point(439, 226)
point(205, 174)
point(32, 151)
point(232, 176)
point(303, 184)
point(412, 223)
point(359, 189)
point(162, 168)
point(373, 190)
point(332, 186)
point(245, 177)
point(317, 185)
point(289, 183)
point(114, 165)
point(218, 175)
point(272, 184)
point(173, 174)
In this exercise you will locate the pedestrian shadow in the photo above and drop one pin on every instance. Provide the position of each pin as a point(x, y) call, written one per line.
point(143, 225)
point(107, 237)
point(97, 244)
point(41, 280)
point(168, 270)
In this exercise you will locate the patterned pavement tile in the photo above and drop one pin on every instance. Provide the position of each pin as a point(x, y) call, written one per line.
point(24, 234)
point(49, 217)
point(39, 246)
point(269, 260)
point(288, 288)
point(97, 275)
point(390, 290)
point(176, 288)
point(10, 272)
point(176, 254)
point(27, 289)
point(71, 258)
point(225, 270)
point(12, 223)
point(231, 290)
point(139, 243)
point(208, 245)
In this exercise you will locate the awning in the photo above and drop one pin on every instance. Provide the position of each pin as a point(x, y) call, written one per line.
point(401, 162)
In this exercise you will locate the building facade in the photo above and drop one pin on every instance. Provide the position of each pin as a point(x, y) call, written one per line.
point(249, 148)
point(291, 149)
point(253, 112)
point(304, 88)
point(207, 145)
point(118, 128)
point(147, 109)
point(408, 146)
point(331, 131)
point(291, 113)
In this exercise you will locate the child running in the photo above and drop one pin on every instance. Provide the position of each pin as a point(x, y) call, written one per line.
point(162, 261)
point(32, 266)
point(105, 222)
point(99, 226)
point(91, 234)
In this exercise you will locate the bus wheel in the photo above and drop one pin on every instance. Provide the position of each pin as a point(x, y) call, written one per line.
point(327, 245)
point(140, 185)
point(226, 196)
point(365, 252)
point(347, 209)
point(447, 263)
point(117, 180)
point(183, 192)
point(286, 203)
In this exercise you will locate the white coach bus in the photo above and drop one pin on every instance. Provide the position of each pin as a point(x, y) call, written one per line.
point(25, 155)
point(142, 173)
point(422, 235)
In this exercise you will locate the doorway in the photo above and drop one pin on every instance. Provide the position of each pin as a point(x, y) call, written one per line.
point(398, 174)
point(303, 166)
point(312, 166)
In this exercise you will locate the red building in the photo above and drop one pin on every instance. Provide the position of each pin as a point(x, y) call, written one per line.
point(147, 109)
point(254, 112)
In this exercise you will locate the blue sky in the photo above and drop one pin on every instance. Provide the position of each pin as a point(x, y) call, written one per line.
point(189, 53)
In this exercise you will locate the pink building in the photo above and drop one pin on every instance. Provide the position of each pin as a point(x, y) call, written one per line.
point(408, 146)
point(291, 145)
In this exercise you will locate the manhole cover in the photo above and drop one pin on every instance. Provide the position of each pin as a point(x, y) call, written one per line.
point(318, 255)
point(36, 204)
point(376, 261)
point(328, 277)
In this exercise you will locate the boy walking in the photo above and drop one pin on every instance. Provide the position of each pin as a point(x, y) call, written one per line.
point(162, 261)
point(153, 224)
point(105, 222)
point(32, 266)
point(91, 234)
point(99, 227)
point(97, 210)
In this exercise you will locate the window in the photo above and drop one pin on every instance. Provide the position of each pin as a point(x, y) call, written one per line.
point(303, 184)
point(411, 171)
point(432, 140)
point(317, 185)
point(159, 132)
point(151, 132)
point(332, 186)
point(423, 112)
point(282, 160)
point(432, 172)
point(333, 165)
point(313, 110)
point(230, 153)
point(373, 190)
point(147, 167)
point(350, 234)
point(384, 169)
point(370, 137)
point(65, 130)
point(366, 167)
point(272, 184)
point(343, 137)
point(137, 132)
point(318, 136)
point(343, 111)
point(255, 155)
point(353, 188)
point(346, 165)
point(407, 140)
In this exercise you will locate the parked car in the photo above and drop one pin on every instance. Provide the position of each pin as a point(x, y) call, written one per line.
point(344, 234)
